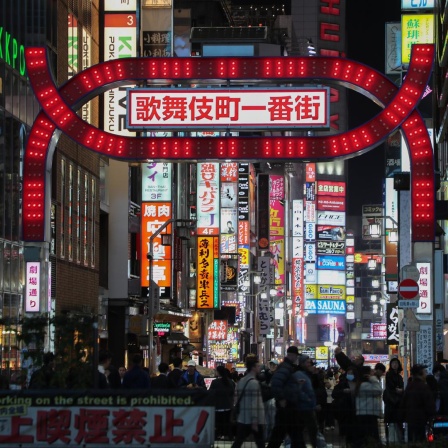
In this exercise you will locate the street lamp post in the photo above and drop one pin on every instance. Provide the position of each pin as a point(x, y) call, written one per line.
point(153, 307)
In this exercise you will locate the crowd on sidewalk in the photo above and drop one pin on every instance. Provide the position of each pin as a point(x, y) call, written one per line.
point(292, 401)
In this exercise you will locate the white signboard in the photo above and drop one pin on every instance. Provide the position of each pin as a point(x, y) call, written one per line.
point(393, 48)
point(225, 108)
point(297, 218)
point(120, 5)
point(120, 41)
point(331, 218)
point(425, 288)
point(208, 195)
point(156, 181)
point(32, 295)
point(424, 346)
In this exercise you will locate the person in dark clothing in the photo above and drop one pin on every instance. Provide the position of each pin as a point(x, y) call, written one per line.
point(136, 377)
point(418, 404)
point(222, 391)
point(283, 384)
point(344, 404)
point(191, 378)
point(175, 374)
point(441, 375)
point(42, 378)
point(392, 396)
point(161, 381)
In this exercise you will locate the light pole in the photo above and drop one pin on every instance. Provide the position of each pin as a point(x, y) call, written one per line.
point(153, 296)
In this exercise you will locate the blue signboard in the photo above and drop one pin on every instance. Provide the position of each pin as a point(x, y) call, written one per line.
point(332, 262)
point(325, 306)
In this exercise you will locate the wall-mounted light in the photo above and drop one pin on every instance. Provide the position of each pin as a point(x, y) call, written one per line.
point(166, 239)
point(373, 297)
point(375, 283)
point(179, 326)
point(371, 264)
point(393, 236)
point(375, 230)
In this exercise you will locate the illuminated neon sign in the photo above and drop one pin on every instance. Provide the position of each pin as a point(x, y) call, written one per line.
point(399, 109)
point(11, 51)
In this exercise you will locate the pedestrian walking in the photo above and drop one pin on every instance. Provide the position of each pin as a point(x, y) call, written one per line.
point(368, 407)
point(284, 385)
point(306, 401)
point(441, 376)
point(251, 418)
point(222, 391)
point(136, 377)
point(392, 395)
point(418, 405)
point(344, 404)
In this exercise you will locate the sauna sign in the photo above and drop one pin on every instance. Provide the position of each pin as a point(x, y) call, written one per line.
point(228, 108)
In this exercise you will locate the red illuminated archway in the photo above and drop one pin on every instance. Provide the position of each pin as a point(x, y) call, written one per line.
point(59, 105)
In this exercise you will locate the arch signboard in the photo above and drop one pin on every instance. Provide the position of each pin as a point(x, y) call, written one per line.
point(59, 106)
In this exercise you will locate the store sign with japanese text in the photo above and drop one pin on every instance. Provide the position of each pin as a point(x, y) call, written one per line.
point(120, 41)
point(115, 420)
point(153, 216)
point(228, 108)
point(424, 288)
point(217, 330)
point(156, 181)
point(207, 272)
point(329, 188)
point(208, 194)
point(32, 295)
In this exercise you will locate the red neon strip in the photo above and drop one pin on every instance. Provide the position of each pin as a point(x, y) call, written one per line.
point(276, 148)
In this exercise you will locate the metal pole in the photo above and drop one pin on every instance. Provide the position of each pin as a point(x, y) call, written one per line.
point(151, 285)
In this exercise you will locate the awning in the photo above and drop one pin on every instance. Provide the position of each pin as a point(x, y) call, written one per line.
point(177, 338)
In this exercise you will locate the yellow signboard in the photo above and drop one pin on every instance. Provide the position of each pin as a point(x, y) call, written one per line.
point(207, 272)
point(415, 29)
point(321, 353)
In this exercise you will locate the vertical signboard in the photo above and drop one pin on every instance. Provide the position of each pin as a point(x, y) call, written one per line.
point(393, 49)
point(263, 211)
point(86, 62)
point(154, 215)
point(277, 226)
point(72, 45)
point(425, 346)
point(208, 198)
point(297, 267)
point(156, 181)
point(120, 41)
point(243, 224)
point(424, 288)
point(393, 332)
point(207, 272)
point(32, 293)
point(415, 29)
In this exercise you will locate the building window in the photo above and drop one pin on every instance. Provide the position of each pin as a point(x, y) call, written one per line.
point(92, 239)
point(70, 211)
point(78, 217)
point(85, 217)
point(63, 201)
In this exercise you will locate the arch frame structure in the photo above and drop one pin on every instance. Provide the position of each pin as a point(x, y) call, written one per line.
point(59, 106)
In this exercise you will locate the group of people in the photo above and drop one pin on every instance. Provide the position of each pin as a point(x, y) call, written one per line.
point(290, 399)
point(309, 401)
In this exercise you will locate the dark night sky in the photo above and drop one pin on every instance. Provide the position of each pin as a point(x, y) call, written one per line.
point(365, 43)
